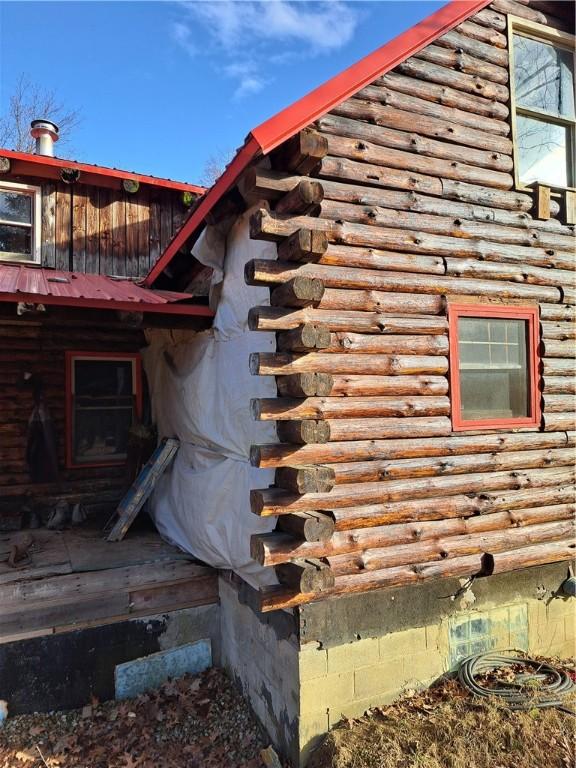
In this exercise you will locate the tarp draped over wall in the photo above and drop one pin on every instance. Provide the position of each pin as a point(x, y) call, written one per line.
point(200, 389)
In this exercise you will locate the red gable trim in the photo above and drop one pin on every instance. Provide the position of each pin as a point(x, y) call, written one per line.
point(318, 102)
point(28, 164)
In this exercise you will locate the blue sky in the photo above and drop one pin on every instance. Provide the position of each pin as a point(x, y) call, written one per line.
point(165, 86)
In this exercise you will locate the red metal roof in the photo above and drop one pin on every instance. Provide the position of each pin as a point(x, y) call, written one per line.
point(26, 164)
point(76, 289)
point(286, 123)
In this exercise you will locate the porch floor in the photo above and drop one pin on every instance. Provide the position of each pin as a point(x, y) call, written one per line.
point(74, 579)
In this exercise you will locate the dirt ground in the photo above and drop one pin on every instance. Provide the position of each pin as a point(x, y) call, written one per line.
point(194, 722)
point(446, 728)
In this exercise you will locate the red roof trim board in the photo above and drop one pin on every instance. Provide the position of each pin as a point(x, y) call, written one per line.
point(286, 123)
point(27, 164)
point(75, 289)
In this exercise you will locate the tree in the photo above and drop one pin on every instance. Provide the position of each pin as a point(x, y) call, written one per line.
point(215, 166)
point(29, 102)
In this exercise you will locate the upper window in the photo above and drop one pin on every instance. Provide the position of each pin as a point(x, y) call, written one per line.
point(104, 400)
point(19, 222)
point(493, 366)
point(543, 90)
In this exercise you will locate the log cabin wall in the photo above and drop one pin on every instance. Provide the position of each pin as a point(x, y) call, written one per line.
point(398, 202)
point(105, 231)
point(37, 345)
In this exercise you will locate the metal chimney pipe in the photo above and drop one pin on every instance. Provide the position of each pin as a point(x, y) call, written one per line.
point(46, 133)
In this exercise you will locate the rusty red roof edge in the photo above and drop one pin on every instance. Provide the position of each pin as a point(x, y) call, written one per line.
point(27, 283)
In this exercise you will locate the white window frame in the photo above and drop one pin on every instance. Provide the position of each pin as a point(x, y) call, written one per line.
point(36, 224)
point(543, 34)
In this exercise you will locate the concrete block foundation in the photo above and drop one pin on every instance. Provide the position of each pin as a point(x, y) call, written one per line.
point(304, 671)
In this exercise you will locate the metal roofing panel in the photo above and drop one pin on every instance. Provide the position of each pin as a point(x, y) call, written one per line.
point(27, 283)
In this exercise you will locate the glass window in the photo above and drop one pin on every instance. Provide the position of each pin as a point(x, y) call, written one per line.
point(545, 112)
point(493, 366)
point(104, 405)
point(19, 214)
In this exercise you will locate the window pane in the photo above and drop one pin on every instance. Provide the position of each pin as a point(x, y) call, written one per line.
point(542, 151)
point(14, 239)
point(104, 407)
point(16, 206)
point(103, 378)
point(494, 375)
point(101, 434)
point(544, 76)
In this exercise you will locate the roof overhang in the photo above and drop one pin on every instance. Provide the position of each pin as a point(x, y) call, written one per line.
point(289, 121)
point(28, 164)
point(34, 285)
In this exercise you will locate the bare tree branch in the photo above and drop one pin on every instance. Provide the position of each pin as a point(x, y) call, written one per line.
point(215, 166)
point(29, 102)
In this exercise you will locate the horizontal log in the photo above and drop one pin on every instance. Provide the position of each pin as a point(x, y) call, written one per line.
point(382, 301)
point(305, 385)
point(305, 479)
point(487, 35)
point(264, 272)
point(306, 431)
point(346, 407)
point(388, 344)
point(271, 501)
point(303, 245)
point(437, 72)
point(275, 598)
point(519, 273)
point(466, 505)
point(558, 330)
point(554, 422)
point(446, 225)
point(271, 549)
point(270, 364)
point(370, 386)
point(303, 338)
point(303, 198)
point(518, 9)
point(267, 226)
point(434, 120)
point(412, 142)
point(553, 348)
point(491, 19)
point(277, 319)
point(482, 72)
point(413, 157)
point(557, 366)
point(274, 455)
point(421, 203)
point(309, 575)
point(455, 546)
point(558, 403)
point(559, 385)
point(297, 292)
point(307, 526)
point(487, 51)
point(377, 470)
point(451, 97)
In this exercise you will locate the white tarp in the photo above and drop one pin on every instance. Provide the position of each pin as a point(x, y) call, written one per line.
point(200, 389)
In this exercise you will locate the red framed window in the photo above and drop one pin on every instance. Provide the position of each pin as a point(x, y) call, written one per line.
point(103, 400)
point(493, 366)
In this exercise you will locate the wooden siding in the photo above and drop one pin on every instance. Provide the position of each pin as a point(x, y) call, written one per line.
point(105, 231)
point(398, 202)
point(37, 345)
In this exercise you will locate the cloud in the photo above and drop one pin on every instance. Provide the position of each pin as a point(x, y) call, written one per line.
point(249, 36)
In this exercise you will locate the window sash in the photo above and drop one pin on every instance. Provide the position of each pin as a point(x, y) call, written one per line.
point(558, 39)
point(527, 314)
point(34, 226)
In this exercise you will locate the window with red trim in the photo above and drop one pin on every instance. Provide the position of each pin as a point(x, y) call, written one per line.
point(493, 366)
point(104, 398)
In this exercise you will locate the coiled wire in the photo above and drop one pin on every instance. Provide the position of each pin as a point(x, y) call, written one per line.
point(538, 685)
